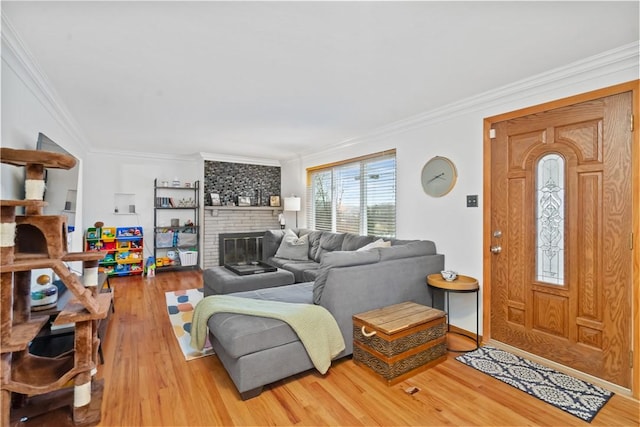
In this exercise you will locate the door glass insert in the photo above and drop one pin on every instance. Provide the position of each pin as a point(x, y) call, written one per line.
point(550, 219)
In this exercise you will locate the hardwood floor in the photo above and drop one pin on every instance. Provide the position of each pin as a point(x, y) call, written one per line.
point(148, 383)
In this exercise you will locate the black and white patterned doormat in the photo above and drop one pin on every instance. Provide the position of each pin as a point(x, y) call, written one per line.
point(570, 394)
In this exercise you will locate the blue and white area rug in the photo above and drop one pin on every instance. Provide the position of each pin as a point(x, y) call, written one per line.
point(570, 394)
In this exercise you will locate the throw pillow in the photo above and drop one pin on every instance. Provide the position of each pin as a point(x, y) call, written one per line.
point(380, 243)
point(293, 247)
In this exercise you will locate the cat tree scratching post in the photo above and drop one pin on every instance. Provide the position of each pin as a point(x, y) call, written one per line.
point(37, 241)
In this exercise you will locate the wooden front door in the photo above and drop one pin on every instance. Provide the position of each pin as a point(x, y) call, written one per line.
point(561, 224)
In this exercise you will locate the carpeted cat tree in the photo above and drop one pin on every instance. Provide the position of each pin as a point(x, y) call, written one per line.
point(35, 384)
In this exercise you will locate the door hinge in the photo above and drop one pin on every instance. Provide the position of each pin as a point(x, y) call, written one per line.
point(631, 124)
point(631, 241)
point(492, 133)
point(631, 359)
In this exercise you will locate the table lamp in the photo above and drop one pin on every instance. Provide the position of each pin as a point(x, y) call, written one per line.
point(292, 204)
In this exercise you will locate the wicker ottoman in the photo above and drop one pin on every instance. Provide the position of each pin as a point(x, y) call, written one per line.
point(400, 340)
point(219, 280)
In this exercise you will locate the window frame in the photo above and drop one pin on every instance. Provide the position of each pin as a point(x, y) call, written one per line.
point(361, 161)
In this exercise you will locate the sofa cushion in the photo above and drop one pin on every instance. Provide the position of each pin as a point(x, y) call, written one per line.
point(413, 249)
point(314, 245)
point(380, 243)
point(299, 267)
point(241, 334)
point(271, 242)
point(220, 280)
point(329, 242)
point(340, 259)
point(311, 274)
point(353, 242)
point(278, 262)
point(293, 247)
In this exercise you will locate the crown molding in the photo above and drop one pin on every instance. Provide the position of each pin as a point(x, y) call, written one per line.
point(623, 58)
point(145, 155)
point(196, 157)
point(239, 159)
point(18, 58)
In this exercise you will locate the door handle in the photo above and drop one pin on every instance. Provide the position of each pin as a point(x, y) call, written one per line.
point(496, 249)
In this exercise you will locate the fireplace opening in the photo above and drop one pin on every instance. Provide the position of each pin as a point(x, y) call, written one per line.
point(240, 248)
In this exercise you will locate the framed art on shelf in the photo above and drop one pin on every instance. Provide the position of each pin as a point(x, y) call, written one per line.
point(244, 201)
point(274, 201)
point(215, 199)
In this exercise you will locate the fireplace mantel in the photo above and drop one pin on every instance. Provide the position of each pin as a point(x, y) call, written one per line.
point(215, 210)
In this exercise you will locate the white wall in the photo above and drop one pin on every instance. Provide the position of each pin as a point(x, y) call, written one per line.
point(293, 178)
point(27, 109)
point(112, 173)
point(456, 131)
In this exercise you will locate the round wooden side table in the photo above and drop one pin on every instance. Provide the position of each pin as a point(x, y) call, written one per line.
point(462, 284)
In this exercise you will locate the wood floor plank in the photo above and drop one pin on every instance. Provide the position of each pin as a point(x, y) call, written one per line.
point(148, 383)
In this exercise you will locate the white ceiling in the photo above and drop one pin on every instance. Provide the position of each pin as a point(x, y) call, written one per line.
point(275, 80)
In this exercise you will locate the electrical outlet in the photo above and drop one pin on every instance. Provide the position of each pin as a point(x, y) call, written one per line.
point(472, 201)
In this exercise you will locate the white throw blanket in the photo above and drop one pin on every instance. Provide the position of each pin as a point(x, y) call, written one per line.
point(317, 329)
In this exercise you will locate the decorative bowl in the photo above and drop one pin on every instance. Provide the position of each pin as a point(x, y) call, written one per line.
point(449, 275)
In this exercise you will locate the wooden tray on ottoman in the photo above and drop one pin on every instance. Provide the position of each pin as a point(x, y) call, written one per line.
point(400, 340)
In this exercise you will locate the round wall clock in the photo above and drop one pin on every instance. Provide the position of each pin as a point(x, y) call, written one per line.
point(439, 176)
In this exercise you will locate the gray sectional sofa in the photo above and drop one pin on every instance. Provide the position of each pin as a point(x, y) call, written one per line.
point(320, 243)
point(257, 351)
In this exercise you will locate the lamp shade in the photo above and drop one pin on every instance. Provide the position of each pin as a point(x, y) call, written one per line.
point(292, 204)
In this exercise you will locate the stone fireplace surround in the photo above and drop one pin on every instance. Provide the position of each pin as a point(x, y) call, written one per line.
point(233, 219)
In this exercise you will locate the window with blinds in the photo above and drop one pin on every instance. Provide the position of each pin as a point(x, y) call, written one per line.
point(354, 196)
